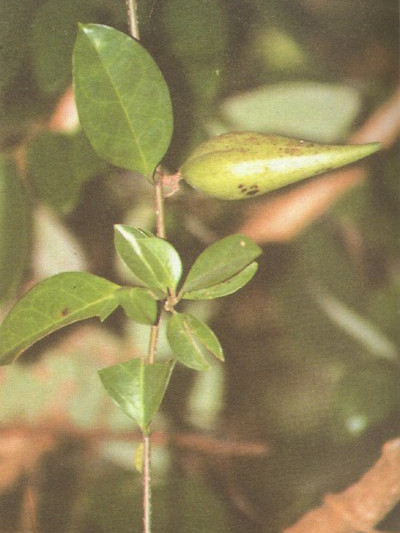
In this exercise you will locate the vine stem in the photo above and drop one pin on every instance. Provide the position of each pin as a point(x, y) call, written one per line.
point(133, 21)
point(151, 355)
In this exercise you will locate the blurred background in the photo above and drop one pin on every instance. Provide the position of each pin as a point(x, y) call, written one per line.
point(310, 388)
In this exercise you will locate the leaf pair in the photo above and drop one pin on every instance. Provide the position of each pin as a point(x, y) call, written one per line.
point(221, 269)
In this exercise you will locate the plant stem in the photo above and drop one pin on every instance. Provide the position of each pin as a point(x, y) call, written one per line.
point(147, 476)
point(133, 21)
point(159, 205)
point(151, 355)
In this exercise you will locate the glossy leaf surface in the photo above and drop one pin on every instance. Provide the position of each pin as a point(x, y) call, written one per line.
point(152, 260)
point(14, 229)
point(53, 303)
point(137, 388)
point(191, 340)
point(123, 101)
point(138, 304)
point(220, 262)
point(224, 288)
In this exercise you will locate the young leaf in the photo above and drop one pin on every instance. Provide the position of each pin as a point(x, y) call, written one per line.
point(122, 98)
point(152, 260)
point(220, 262)
point(137, 388)
point(229, 286)
point(52, 304)
point(15, 226)
point(191, 340)
point(138, 304)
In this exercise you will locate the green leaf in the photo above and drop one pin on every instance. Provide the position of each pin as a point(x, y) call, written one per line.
point(54, 32)
point(138, 304)
point(220, 262)
point(59, 164)
point(122, 98)
point(137, 388)
point(15, 223)
point(224, 288)
point(191, 340)
point(152, 260)
point(52, 304)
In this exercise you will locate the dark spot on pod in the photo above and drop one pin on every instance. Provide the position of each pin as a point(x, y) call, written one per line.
point(240, 186)
point(253, 190)
point(65, 311)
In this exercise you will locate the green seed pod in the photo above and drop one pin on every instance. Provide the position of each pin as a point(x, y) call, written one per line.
point(239, 165)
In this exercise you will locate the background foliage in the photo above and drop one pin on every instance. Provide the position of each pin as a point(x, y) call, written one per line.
point(310, 382)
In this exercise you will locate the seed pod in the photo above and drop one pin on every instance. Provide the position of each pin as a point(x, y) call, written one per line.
point(239, 165)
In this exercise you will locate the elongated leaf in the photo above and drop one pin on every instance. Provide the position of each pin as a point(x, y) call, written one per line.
point(191, 340)
point(15, 225)
point(138, 304)
point(152, 260)
point(220, 262)
point(137, 388)
point(123, 101)
point(53, 303)
point(226, 287)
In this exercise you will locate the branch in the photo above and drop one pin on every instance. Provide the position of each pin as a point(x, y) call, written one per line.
point(363, 505)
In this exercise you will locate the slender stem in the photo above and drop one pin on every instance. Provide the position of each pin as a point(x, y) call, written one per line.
point(159, 205)
point(147, 478)
point(151, 355)
point(133, 23)
point(133, 20)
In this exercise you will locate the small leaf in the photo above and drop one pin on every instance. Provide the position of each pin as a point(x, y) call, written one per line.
point(152, 260)
point(220, 262)
point(191, 340)
point(138, 304)
point(52, 304)
point(137, 388)
point(229, 286)
point(122, 98)
point(15, 223)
